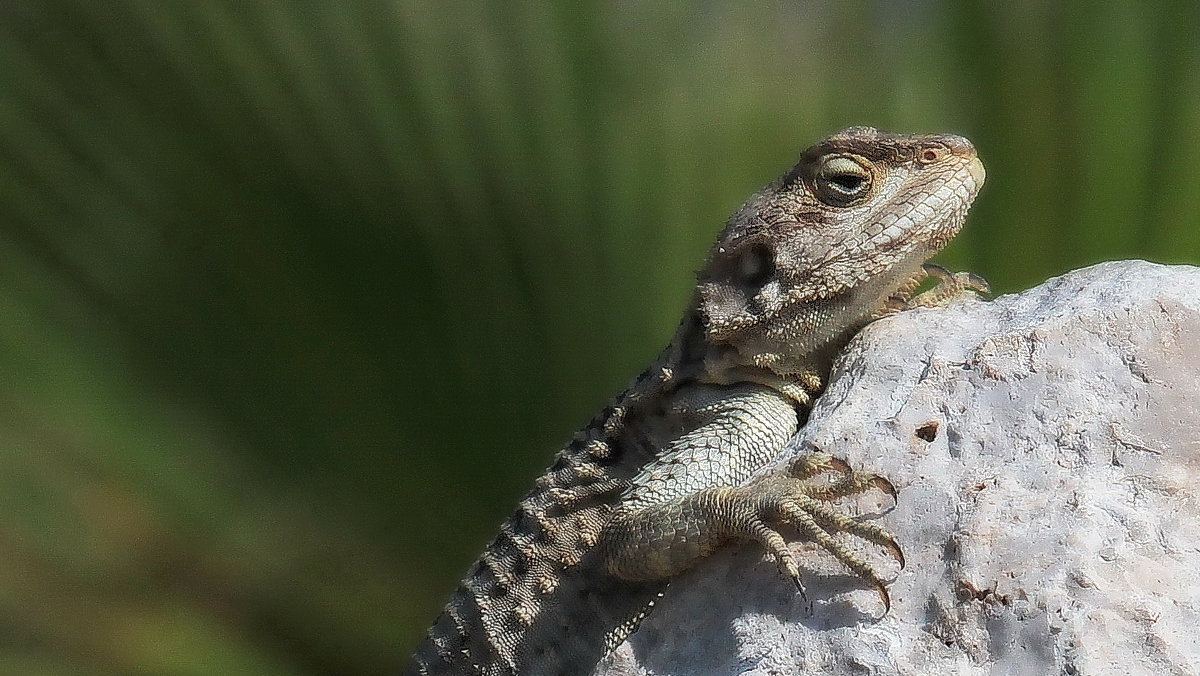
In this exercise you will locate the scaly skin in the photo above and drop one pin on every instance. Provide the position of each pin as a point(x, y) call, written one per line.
point(663, 476)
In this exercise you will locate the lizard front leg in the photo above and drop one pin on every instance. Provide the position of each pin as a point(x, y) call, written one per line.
point(695, 496)
point(949, 285)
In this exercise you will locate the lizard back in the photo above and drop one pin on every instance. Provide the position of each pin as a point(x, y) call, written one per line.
point(536, 601)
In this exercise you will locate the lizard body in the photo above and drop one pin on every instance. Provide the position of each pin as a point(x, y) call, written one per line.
point(663, 475)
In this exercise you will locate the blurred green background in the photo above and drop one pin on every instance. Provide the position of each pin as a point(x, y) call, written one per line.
point(297, 297)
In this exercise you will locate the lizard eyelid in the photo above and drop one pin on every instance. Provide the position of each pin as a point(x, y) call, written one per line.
point(847, 182)
point(841, 180)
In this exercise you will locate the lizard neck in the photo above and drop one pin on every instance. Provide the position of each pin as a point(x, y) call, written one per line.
point(802, 388)
point(693, 357)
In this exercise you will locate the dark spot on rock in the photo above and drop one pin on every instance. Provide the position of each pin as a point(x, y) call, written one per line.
point(928, 431)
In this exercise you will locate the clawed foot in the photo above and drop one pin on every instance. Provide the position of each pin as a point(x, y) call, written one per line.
point(948, 287)
point(797, 500)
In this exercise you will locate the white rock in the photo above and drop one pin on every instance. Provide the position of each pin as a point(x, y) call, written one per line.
point(1051, 526)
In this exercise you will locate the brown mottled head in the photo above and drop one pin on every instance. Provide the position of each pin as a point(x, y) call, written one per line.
point(824, 245)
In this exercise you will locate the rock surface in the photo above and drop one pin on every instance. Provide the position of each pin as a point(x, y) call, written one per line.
point(1046, 448)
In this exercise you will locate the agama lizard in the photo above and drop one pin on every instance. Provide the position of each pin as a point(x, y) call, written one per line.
point(663, 475)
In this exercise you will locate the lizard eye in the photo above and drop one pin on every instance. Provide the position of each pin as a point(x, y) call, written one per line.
point(756, 266)
point(841, 181)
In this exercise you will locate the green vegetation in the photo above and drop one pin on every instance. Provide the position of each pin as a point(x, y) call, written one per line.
point(297, 296)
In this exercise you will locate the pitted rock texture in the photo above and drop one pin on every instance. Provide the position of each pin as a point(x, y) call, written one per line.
point(1046, 446)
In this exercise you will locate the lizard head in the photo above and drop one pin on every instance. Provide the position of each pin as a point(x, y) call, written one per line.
point(810, 258)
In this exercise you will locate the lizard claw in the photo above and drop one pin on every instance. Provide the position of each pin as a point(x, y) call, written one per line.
point(978, 284)
point(936, 270)
point(838, 465)
point(850, 483)
point(893, 548)
point(886, 486)
point(968, 280)
point(883, 596)
point(800, 588)
point(949, 285)
point(805, 504)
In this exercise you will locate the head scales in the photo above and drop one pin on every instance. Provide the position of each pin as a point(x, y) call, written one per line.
point(790, 266)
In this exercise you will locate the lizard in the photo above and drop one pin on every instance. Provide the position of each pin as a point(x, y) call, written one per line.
point(671, 469)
